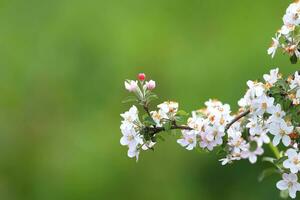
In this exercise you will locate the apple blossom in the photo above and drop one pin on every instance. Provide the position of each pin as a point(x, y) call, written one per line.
point(150, 85)
point(281, 131)
point(293, 161)
point(289, 182)
point(131, 86)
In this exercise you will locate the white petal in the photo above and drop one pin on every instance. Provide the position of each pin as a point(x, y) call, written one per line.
point(276, 140)
point(291, 153)
point(293, 177)
point(286, 164)
point(124, 141)
point(182, 142)
point(286, 140)
point(294, 169)
point(253, 158)
point(282, 185)
point(292, 191)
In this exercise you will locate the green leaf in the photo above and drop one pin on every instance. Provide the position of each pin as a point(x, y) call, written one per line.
point(147, 120)
point(266, 173)
point(269, 159)
point(160, 138)
point(294, 59)
point(280, 160)
point(182, 113)
point(150, 96)
point(130, 99)
point(167, 126)
point(284, 194)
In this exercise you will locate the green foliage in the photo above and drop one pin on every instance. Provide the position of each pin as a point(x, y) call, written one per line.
point(294, 59)
point(130, 99)
point(167, 125)
point(267, 172)
point(147, 120)
point(181, 117)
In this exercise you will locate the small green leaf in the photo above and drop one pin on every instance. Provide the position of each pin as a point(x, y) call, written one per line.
point(266, 173)
point(293, 59)
point(130, 99)
point(148, 121)
point(160, 138)
point(280, 160)
point(167, 126)
point(269, 159)
point(284, 194)
point(182, 113)
point(150, 96)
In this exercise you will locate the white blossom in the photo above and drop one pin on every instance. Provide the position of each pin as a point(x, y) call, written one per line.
point(273, 48)
point(281, 131)
point(272, 78)
point(289, 182)
point(168, 109)
point(131, 86)
point(293, 161)
point(150, 85)
point(188, 140)
point(252, 154)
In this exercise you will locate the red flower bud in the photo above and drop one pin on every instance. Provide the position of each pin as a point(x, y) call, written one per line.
point(141, 76)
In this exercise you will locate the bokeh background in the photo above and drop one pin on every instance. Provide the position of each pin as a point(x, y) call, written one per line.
point(62, 68)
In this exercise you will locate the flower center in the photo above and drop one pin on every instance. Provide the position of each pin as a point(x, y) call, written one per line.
point(190, 140)
point(264, 105)
point(296, 161)
point(130, 137)
point(282, 132)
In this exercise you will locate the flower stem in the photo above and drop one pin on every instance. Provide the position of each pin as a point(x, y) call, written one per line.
point(274, 150)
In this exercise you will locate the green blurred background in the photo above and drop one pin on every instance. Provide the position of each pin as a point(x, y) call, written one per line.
point(62, 68)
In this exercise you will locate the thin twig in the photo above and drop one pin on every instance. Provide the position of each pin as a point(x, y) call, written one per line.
point(237, 118)
point(155, 130)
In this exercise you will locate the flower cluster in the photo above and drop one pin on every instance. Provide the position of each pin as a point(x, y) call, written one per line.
point(208, 126)
point(268, 116)
point(269, 113)
point(131, 126)
point(287, 37)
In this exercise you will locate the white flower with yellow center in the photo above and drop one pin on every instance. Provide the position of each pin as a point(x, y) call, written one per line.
point(157, 117)
point(272, 78)
point(273, 48)
point(277, 115)
point(236, 142)
point(188, 140)
point(130, 138)
point(281, 131)
point(169, 109)
point(293, 161)
point(263, 104)
point(252, 154)
point(130, 116)
point(289, 182)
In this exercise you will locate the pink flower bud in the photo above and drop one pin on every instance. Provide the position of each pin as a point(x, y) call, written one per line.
point(150, 85)
point(131, 86)
point(141, 76)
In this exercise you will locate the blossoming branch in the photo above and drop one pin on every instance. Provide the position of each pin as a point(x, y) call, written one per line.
point(287, 37)
point(268, 117)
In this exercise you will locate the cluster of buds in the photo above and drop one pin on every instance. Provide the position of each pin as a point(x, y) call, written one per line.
point(287, 37)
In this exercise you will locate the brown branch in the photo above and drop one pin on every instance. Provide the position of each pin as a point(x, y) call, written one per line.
point(237, 118)
point(155, 130)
